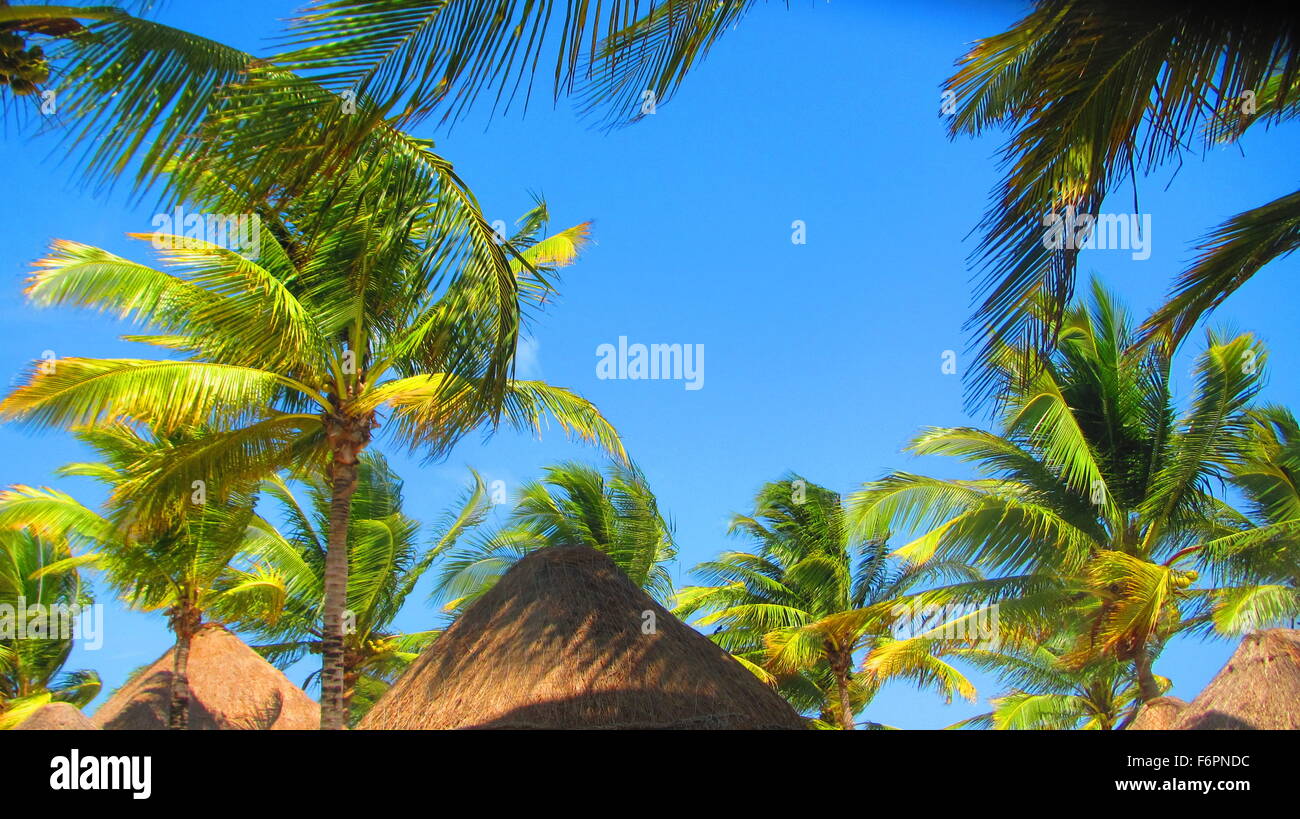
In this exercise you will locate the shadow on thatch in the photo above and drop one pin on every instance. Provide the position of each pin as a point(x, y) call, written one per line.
point(1259, 688)
point(231, 687)
point(559, 643)
point(1159, 714)
point(57, 716)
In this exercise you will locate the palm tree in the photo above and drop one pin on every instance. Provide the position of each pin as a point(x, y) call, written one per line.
point(39, 583)
point(357, 313)
point(1047, 692)
point(801, 609)
point(1094, 93)
point(1095, 494)
point(572, 505)
point(188, 569)
point(385, 563)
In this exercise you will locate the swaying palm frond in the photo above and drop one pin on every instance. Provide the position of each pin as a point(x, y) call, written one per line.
point(1094, 93)
point(1233, 253)
point(412, 56)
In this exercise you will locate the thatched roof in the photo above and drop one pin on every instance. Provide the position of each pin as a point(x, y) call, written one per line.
point(559, 643)
point(1159, 714)
point(231, 687)
point(57, 716)
point(1259, 688)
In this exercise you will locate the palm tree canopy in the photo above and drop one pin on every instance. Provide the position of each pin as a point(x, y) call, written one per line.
point(1095, 493)
point(1045, 690)
point(810, 592)
point(38, 574)
point(340, 315)
point(192, 561)
point(574, 504)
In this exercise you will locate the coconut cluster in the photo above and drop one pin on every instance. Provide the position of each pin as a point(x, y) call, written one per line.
point(21, 68)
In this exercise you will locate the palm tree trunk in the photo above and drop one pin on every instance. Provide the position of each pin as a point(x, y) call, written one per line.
point(1148, 688)
point(185, 622)
point(841, 662)
point(343, 483)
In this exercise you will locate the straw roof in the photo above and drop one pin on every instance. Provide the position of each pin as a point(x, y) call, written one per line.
point(1259, 688)
point(559, 643)
point(1159, 714)
point(57, 716)
point(231, 687)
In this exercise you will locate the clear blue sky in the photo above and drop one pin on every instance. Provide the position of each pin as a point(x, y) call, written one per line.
point(821, 358)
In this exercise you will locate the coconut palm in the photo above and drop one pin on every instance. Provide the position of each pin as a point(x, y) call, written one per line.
point(1093, 94)
point(39, 585)
point(385, 563)
point(355, 314)
point(1095, 490)
point(1048, 692)
point(189, 568)
point(810, 601)
point(574, 504)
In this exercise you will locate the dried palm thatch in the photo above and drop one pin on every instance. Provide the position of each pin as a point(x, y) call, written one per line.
point(565, 640)
point(1159, 714)
point(1259, 688)
point(57, 716)
point(231, 687)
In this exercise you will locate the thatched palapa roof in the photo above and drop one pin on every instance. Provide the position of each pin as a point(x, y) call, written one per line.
point(57, 716)
point(1259, 688)
point(1159, 714)
point(559, 643)
point(231, 687)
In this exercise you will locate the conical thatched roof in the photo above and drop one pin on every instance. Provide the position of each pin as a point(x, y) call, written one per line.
point(1159, 714)
point(559, 643)
point(231, 686)
point(57, 716)
point(1258, 688)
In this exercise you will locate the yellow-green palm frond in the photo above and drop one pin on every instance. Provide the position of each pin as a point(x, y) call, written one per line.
point(1021, 711)
point(1138, 598)
point(50, 513)
point(432, 411)
point(1250, 608)
point(993, 522)
point(918, 660)
point(73, 392)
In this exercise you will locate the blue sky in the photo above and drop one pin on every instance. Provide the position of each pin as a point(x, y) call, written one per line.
point(823, 358)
